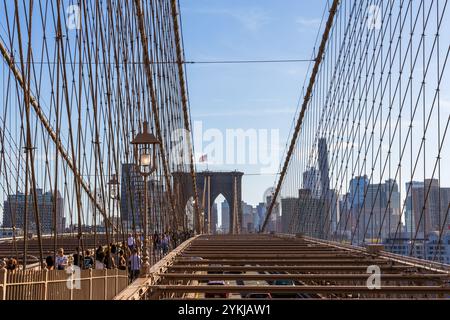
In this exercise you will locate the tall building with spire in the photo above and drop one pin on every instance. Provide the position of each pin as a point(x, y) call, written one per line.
point(323, 166)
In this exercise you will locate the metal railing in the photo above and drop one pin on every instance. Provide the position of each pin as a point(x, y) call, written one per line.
point(89, 284)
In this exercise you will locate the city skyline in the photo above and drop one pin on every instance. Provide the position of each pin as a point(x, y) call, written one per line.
point(266, 18)
point(227, 149)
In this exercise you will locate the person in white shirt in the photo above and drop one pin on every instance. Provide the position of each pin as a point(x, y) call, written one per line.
point(61, 260)
point(131, 242)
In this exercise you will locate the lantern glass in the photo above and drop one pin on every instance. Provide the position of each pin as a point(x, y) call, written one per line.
point(114, 191)
point(145, 160)
point(114, 187)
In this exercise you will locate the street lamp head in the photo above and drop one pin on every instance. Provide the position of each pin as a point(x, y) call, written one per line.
point(114, 185)
point(145, 145)
point(144, 137)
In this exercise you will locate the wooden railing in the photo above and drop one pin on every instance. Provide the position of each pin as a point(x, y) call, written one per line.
point(139, 289)
point(59, 285)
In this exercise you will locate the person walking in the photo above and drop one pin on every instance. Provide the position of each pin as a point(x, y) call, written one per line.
point(49, 263)
point(155, 243)
point(135, 264)
point(12, 265)
point(100, 258)
point(131, 242)
point(77, 258)
point(61, 260)
point(88, 260)
point(165, 244)
point(109, 260)
point(122, 264)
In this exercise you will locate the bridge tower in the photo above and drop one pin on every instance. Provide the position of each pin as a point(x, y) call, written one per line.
point(210, 185)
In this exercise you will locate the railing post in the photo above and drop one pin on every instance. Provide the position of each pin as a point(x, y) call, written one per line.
point(46, 285)
point(3, 278)
point(90, 284)
point(116, 291)
point(106, 284)
point(71, 286)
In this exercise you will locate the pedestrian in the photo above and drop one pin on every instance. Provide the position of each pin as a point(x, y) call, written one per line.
point(174, 240)
point(169, 240)
point(100, 258)
point(61, 260)
point(135, 264)
point(126, 250)
point(138, 241)
point(12, 265)
point(165, 244)
point(122, 265)
point(77, 258)
point(131, 242)
point(88, 261)
point(114, 255)
point(49, 263)
point(155, 243)
point(109, 261)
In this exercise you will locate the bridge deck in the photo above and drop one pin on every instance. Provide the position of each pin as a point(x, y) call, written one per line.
point(250, 266)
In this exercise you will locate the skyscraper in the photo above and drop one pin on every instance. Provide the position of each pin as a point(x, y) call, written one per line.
point(379, 215)
point(225, 217)
point(131, 195)
point(289, 214)
point(334, 210)
point(323, 166)
point(14, 211)
point(410, 226)
point(275, 215)
point(214, 218)
point(261, 213)
point(358, 186)
point(430, 206)
point(247, 217)
point(311, 181)
point(156, 190)
point(328, 197)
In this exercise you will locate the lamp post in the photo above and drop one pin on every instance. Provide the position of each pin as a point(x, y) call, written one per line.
point(114, 195)
point(145, 145)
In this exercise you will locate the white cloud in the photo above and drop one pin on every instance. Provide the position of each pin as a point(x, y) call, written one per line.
point(252, 19)
point(308, 24)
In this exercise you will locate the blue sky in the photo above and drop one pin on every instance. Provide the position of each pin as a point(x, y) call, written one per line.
point(244, 96)
point(248, 96)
